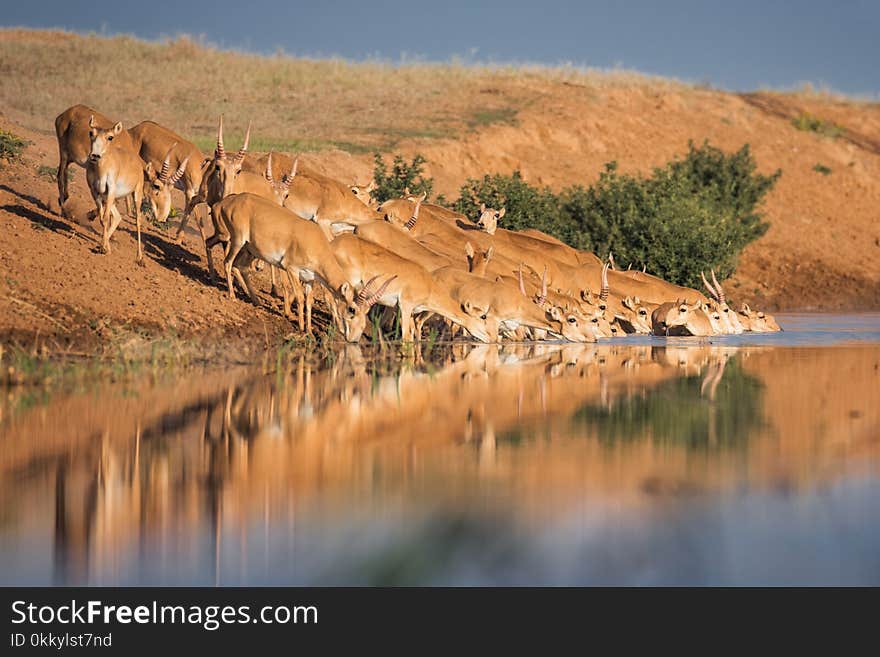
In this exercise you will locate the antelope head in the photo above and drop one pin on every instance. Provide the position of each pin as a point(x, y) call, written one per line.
point(353, 308)
point(730, 323)
point(282, 188)
point(402, 213)
point(364, 193)
point(682, 317)
point(480, 321)
point(757, 320)
point(478, 261)
point(224, 169)
point(159, 185)
point(641, 313)
point(489, 218)
point(101, 139)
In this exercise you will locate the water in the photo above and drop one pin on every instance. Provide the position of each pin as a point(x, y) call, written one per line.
point(741, 460)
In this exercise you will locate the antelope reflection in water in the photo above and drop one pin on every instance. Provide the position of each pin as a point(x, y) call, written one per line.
point(202, 471)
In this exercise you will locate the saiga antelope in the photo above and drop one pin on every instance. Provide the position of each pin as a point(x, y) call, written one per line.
point(114, 170)
point(74, 144)
point(413, 289)
point(165, 151)
point(273, 234)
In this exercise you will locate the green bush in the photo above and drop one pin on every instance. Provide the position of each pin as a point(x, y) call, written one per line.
point(527, 206)
point(809, 123)
point(694, 214)
point(821, 168)
point(11, 146)
point(402, 177)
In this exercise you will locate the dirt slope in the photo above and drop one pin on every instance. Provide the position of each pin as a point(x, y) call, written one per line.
point(821, 251)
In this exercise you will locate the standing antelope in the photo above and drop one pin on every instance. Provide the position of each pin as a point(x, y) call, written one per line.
point(274, 235)
point(74, 144)
point(114, 170)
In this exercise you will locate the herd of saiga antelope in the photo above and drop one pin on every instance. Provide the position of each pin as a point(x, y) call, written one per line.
point(405, 254)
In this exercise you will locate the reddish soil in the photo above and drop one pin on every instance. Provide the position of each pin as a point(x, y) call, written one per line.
point(821, 251)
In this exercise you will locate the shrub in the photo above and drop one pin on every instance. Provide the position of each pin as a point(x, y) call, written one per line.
point(402, 177)
point(527, 206)
point(821, 168)
point(809, 123)
point(692, 215)
point(11, 146)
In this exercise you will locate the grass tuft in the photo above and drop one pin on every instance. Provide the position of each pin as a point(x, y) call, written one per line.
point(11, 146)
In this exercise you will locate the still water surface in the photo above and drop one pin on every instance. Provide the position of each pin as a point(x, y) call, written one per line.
point(741, 460)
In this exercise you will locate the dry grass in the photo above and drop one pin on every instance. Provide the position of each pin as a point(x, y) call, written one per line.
point(295, 104)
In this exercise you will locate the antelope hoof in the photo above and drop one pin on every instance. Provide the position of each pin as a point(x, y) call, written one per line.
point(105, 248)
point(140, 262)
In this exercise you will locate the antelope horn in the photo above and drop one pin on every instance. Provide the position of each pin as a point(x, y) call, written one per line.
point(247, 140)
point(720, 289)
point(285, 182)
point(364, 295)
point(166, 164)
point(709, 287)
point(220, 152)
point(603, 295)
point(411, 222)
point(378, 293)
point(543, 297)
point(180, 171)
point(611, 260)
point(268, 173)
point(522, 285)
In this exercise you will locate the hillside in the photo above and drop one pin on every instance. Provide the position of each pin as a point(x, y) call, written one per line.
point(557, 126)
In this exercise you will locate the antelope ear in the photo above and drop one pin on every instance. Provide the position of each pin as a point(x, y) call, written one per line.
point(501, 214)
point(745, 308)
point(556, 314)
point(469, 250)
point(345, 291)
point(91, 120)
point(482, 208)
point(371, 186)
point(637, 301)
point(205, 163)
point(117, 128)
point(148, 169)
point(466, 307)
point(489, 252)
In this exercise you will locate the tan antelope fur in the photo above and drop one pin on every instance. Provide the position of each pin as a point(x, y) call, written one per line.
point(114, 170)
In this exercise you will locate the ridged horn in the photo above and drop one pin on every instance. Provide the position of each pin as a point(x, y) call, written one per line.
point(285, 182)
point(180, 171)
point(378, 293)
point(166, 164)
point(244, 147)
point(543, 296)
point(719, 288)
point(220, 151)
point(709, 287)
point(268, 173)
point(411, 222)
point(364, 293)
point(603, 295)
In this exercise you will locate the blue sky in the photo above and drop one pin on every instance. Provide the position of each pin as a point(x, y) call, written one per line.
point(738, 44)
